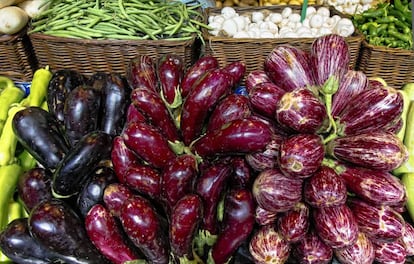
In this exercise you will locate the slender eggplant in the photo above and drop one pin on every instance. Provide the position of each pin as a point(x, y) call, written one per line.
point(201, 100)
point(63, 81)
point(170, 72)
point(264, 98)
point(141, 72)
point(156, 112)
point(186, 217)
point(242, 176)
point(143, 179)
point(196, 71)
point(134, 115)
point(148, 143)
point(237, 225)
point(142, 225)
point(236, 70)
point(294, 224)
point(114, 196)
point(75, 168)
point(81, 112)
point(107, 235)
point(255, 77)
point(41, 134)
point(362, 251)
point(122, 157)
point(59, 228)
point(239, 136)
point(312, 250)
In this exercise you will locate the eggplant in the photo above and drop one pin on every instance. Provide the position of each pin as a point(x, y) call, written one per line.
point(408, 238)
point(143, 179)
point(114, 196)
point(304, 161)
point(265, 217)
point(236, 226)
point(232, 107)
point(62, 82)
point(312, 250)
point(60, 229)
point(97, 80)
point(76, 167)
point(51, 144)
point(362, 251)
point(301, 110)
point(156, 112)
point(170, 72)
point(294, 224)
point(148, 143)
point(186, 217)
point(268, 158)
point(276, 192)
point(34, 186)
point(236, 70)
point(264, 98)
point(336, 225)
point(141, 72)
point(134, 115)
point(325, 188)
point(201, 100)
point(122, 158)
point(390, 252)
point(267, 245)
point(255, 77)
point(107, 235)
point(92, 191)
point(242, 176)
point(142, 225)
point(289, 67)
point(239, 136)
point(81, 112)
point(374, 150)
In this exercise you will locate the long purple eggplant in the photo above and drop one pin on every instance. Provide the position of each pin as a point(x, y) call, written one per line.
point(143, 179)
point(141, 73)
point(134, 115)
point(242, 176)
point(170, 71)
point(236, 70)
point(114, 197)
point(264, 98)
point(122, 157)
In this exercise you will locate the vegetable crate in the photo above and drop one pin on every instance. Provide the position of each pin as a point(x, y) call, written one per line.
point(395, 66)
point(89, 56)
point(254, 50)
point(17, 58)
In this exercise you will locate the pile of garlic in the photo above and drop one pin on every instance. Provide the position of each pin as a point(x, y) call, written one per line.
point(284, 24)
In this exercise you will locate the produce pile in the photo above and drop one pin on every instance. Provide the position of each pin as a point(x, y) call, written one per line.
point(171, 165)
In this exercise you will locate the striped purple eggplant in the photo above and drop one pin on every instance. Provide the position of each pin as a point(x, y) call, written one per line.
point(264, 97)
point(330, 56)
point(170, 71)
point(312, 250)
point(294, 224)
point(276, 192)
point(361, 252)
point(268, 158)
point(289, 67)
point(301, 110)
point(303, 161)
point(141, 73)
point(352, 83)
point(255, 77)
point(391, 252)
point(370, 110)
point(408, 238)
point(265, 217)
point(380, 223)
point(376, 150)
point(268, 246)
point(372, 185)
point(336, 225)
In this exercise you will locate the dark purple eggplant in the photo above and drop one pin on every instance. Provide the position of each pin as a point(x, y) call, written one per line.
point(268, 158)
point(201, 100)
point(41, 134)
point(374, 150)
point(97, 80)
point(330, 56)
point(81, 112)
point(301, 110)
point(92, 191)
point(141, 72)
point(59, 228)
point(148, 143)
point(134, 115)
point(75, 168)
point(236, 226)
point(107, 235)
point(289, 67)
point(34, 186)
point(240, 136)
point(170, 71)
point(390, 252)
point(122, 157)
point(294, 224)
point(142, 225)
point(255, 77)
point(276, 192)
point(264, 98)
point(115, 194)
point(336, 225)
point(304, 161)
point(362, 251)
point(153, 108)
point(265, 217)
point(186, 217)
point(63, 81)
point(236, 70)
point(143, 179)
point(242, 176)
point(267, 245)
point(232, 107)
point(312, 250)
point(371, 110)
point(325, 188)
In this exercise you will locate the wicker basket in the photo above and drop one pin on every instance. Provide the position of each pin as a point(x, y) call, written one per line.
point(17, 58)
point(91, 56)
point(395, 66)
point(254, 50)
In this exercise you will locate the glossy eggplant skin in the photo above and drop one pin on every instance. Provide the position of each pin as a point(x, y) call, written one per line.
point(143, 179)
point(63, 81)
point(141, 72)
point(170, 71)
point(236, 70)
point(115, 194)
point(81, 112)
point(264, 97)
point(50, 145)
point(312, 250)
point(294, 224)
point(60, 229)
point(83, 158)
point(122, 157)
point(34, 186)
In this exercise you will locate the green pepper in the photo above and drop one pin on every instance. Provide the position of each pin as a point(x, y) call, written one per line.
point(9, 95)
point(408, 180)
point(374, 13)
point(407, 38)
point(38, 88)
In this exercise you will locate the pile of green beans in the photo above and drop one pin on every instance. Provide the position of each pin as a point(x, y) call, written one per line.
point(387, 24)
point(120, 19)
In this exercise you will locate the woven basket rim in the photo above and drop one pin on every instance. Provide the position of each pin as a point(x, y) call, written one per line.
point(397, 51)
point(14, 37)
